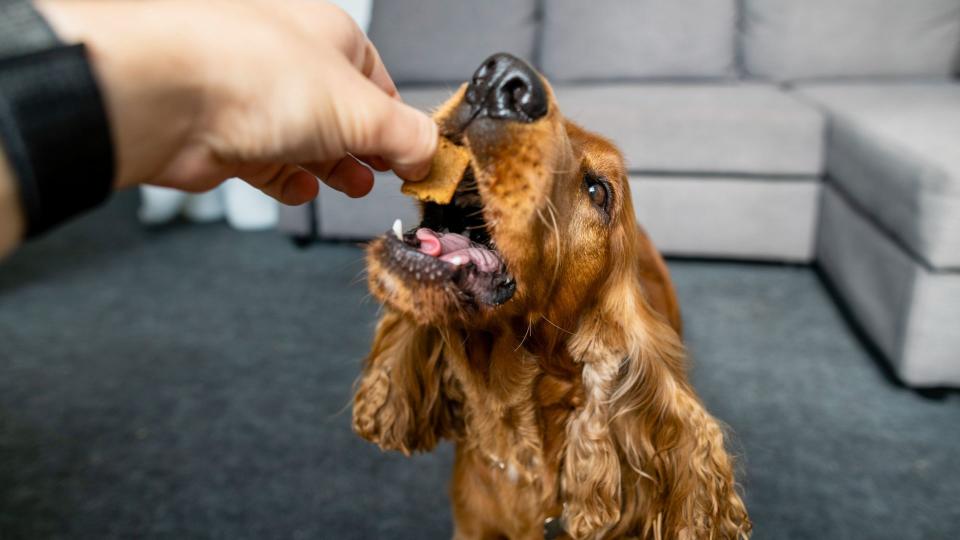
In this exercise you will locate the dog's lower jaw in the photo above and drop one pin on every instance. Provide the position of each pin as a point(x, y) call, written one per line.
point(428, 301)
point(432, 291)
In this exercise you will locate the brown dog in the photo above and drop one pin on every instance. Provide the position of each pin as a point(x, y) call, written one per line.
point(533, 323)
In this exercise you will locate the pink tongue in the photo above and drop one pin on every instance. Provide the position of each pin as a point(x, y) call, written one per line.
point(456, 249)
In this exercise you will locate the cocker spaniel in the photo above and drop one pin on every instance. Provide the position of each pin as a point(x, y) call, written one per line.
point(531, 321)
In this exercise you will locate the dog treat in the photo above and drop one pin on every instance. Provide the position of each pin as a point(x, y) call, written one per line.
point(446, 171)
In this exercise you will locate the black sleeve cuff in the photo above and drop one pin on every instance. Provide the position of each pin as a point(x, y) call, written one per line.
point(54, 127)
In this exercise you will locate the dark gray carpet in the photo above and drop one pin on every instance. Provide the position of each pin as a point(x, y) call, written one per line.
point(193, 382)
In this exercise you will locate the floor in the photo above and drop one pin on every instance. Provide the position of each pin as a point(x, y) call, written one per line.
point(194, 382)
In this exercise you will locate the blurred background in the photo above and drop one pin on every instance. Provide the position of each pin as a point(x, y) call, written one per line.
point(798, 161)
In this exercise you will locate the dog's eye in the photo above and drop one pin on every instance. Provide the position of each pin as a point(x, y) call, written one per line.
point(598, 192)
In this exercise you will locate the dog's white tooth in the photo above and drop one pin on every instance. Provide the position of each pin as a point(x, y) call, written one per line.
point(456, 260)
point(398, 229)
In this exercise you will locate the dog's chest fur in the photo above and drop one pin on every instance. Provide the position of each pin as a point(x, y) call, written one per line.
point(514, 407)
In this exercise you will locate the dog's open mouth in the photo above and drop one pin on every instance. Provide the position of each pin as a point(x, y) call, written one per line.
point(452, 246)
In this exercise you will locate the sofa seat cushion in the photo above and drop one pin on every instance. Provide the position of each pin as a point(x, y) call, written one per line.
point(731, 218)
point(717, 128)
point(894, 149)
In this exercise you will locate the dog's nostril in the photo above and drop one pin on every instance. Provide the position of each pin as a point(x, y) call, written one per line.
point(516, 88)
point(513, 98)
point(505, 87)
point(521, 97)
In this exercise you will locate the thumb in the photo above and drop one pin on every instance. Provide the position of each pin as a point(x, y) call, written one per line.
point(375, 124)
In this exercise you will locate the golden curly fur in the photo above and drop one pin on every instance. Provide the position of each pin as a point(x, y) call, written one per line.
point(571, 399)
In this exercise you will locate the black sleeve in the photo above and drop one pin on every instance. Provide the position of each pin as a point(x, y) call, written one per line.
point(53, 122)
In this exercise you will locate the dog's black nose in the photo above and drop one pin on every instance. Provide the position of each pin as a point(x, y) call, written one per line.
point(505, 87)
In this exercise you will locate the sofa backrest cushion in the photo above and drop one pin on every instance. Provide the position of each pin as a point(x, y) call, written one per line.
point(430, 41)
point(638, 39)
point(791, 39)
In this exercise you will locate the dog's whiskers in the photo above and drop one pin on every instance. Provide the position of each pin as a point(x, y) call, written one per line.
point(556, 232)
point(555, 325)
point(542, 219)
point(454, 301)
point(526, 334)
point(360, 277)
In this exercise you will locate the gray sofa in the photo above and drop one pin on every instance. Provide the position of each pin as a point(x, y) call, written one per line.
point(822, 131)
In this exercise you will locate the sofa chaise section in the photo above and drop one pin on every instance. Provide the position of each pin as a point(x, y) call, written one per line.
point(911, 312)
point(889, 237)
point(894, 149)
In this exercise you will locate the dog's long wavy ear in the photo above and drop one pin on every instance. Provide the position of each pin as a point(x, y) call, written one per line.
point(400, 402)
point(643, 456)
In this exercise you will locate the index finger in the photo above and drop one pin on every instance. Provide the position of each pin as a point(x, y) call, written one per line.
point(372, 68)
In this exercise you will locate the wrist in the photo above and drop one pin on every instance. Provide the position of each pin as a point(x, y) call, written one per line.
point(53, 124)
point(149, 80)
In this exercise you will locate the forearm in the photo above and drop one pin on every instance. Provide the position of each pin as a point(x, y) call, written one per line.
point(11, 216)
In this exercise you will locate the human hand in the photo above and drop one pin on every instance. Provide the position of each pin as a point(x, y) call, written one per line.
point(274, 92)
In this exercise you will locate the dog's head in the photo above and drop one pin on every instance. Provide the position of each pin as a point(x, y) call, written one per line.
point(542, 203)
